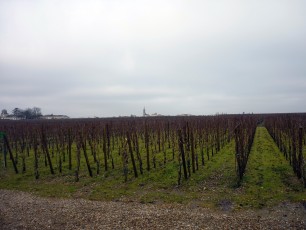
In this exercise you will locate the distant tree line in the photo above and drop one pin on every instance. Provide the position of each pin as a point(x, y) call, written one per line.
point(29, 113)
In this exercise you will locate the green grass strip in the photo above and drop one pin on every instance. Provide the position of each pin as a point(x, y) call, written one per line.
point(269, 179)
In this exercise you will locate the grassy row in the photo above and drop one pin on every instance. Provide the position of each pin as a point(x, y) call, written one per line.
point(268, 180)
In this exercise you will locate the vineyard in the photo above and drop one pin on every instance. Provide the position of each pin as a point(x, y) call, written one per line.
point(226, 160)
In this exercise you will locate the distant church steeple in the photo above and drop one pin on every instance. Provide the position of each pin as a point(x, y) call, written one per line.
point(144, 111)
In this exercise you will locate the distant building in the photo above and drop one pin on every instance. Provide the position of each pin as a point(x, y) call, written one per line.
point(3, 116)
point(10, 117)
point(156, 115)
point(51, 116)
point(184, 115)
point(144, 112)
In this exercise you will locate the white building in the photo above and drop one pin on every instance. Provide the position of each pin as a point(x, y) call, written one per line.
point(51, 116)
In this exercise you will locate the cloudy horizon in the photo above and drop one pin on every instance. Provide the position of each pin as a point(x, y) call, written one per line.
point(111, 58)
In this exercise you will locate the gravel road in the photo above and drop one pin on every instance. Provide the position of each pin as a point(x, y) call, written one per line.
point(20, 210)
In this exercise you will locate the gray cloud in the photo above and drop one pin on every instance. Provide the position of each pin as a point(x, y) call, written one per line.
point(108, 58)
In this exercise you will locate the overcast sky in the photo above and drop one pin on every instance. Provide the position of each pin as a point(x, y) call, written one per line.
point(110, 58)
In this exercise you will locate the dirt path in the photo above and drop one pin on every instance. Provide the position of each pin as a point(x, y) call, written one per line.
point(20, 210)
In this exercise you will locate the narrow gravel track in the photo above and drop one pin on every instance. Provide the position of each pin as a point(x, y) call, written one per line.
point(20, 210)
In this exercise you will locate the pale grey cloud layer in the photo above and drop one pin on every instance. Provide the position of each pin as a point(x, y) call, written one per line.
point(109, 58)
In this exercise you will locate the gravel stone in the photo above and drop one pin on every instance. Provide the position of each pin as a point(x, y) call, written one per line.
point(21, 210)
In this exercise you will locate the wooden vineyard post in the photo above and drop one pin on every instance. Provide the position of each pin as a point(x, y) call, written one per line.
point(138, 153)
point(108, 140)
point(125, 161)
point(35, 144)
point(294, 159)
point(23, 155)
point(300, 157)
point(181, 147)
point(45, 148)
point(131, 153)
point(4, 155)
point(187, 140)
point(78, 155)
point(105, 151)
point(192, 152)
point(147, 146)
point(69, 149)
point(173, 145)
point(239, 151)
point(6, 142)
point(3, 149)
point(86, 157)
